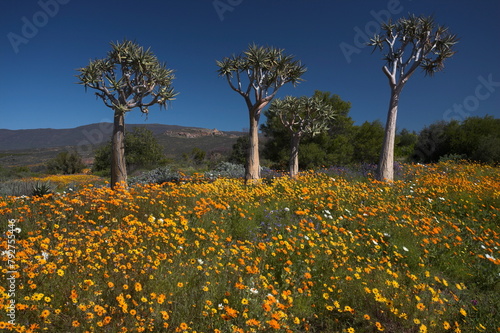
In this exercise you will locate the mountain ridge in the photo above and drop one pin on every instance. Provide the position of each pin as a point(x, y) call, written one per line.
point(92, 134)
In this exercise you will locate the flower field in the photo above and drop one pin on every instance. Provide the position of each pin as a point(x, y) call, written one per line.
point(320, 253)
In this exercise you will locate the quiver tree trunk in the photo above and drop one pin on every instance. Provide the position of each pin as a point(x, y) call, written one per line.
point(118, 166)
point(385, 170)
point(252, 170)
point(294, 155)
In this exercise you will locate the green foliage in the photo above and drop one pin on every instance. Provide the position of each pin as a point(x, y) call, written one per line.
point(239, 152)
point(142, 151)
point(197, 156)
point(432, 142)
point(303, 115)
point(102, 160)
point(475, 138)
point(368, 141)
point(405, 143)
point(15, 172)
point(127, 76)
point(66, 163)
point(323, 149)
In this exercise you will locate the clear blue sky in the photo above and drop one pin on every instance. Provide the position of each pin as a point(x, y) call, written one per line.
point(38, 90)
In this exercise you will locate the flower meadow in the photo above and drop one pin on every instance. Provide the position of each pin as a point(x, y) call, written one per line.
point(320, 253)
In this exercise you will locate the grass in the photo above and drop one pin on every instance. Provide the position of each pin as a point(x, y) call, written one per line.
point(320, 253)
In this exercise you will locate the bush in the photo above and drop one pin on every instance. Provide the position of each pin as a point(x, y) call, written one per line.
point(142, 151)
point(157, 176)
point(227, 170)
point(15, 172)
point(66, 163)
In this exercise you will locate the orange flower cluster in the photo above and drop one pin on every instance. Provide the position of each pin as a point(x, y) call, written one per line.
point(316, 253)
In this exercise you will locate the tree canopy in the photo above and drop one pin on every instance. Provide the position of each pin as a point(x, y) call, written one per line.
point(127, 77)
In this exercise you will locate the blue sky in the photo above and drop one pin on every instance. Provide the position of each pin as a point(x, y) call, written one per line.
point(44, 42)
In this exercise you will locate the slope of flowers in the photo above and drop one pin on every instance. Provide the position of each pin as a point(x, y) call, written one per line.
point(63, 181)
point(318, 254)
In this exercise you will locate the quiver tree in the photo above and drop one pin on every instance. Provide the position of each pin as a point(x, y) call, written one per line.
point(129, 77)
point(301, 116)
point(409, 43)
point(257, 75)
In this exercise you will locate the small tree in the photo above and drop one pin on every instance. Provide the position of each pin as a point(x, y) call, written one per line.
point(239, 152)
point(266, 69)
point(66, 163)
point(142, 150)
point(198, 155)
point(412, 42)
point(332, 147)
point(301, 116)
point(129, 77)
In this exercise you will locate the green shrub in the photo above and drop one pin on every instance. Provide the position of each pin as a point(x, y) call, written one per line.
point(66, 163)
point(142, 151)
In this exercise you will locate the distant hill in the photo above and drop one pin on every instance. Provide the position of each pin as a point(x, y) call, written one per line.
point(35, 146)
point(94, 134)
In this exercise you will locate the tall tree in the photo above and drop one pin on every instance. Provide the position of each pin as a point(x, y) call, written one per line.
point(411, 43)
point(129, 77)
point(257, 75)
point(301, 116)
